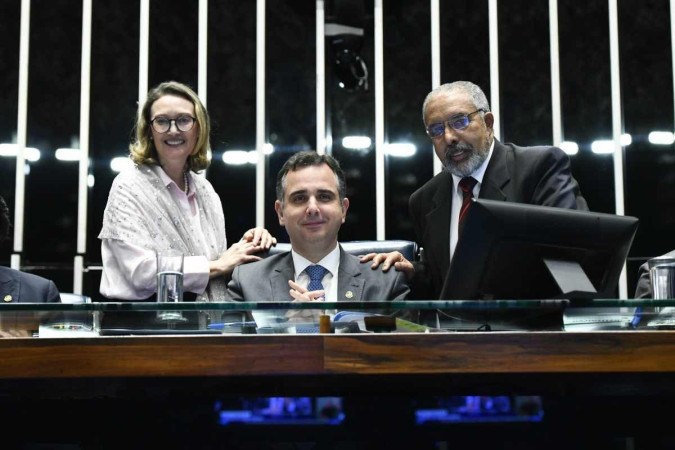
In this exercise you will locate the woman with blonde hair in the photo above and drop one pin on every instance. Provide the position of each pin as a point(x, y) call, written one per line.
point(163, 203)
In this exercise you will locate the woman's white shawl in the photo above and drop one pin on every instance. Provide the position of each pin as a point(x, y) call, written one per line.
point(141, 211)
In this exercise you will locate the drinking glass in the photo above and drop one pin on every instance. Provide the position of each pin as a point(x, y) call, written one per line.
point(170, 282)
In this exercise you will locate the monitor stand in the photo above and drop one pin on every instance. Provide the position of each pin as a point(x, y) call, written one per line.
point(571, 279)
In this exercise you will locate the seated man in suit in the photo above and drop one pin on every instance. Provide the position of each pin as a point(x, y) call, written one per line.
point(16, 286)
point(312, 206)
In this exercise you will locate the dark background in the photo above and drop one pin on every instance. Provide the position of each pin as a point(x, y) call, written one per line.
point(525, 98)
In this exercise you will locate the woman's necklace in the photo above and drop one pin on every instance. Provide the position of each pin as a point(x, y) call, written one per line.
point(186, 182)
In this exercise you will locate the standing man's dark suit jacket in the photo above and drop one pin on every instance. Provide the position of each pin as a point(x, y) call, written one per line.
point(22, 287)
point(644, 287)
point(533, 175)
point(267, 280)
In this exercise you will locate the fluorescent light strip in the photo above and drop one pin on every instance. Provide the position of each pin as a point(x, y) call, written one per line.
point(400, 149)
point(68, 154)
point(356, 142)
point(661, 138)
point(12, 150)
point(121, 163)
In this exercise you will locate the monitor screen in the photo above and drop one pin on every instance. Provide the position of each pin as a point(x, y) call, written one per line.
point(520, 251)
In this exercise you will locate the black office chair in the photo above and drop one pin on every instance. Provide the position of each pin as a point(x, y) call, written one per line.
point(408, 249)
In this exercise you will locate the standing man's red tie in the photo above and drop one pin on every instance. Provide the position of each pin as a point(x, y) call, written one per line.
point(466, 184)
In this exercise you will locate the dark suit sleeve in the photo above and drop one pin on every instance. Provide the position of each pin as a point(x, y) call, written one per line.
point(555, 184)
point(421, 284)
point(400, 289)
point(234, 289)
point(644, 289)
point(52, 294)
point(36, 289)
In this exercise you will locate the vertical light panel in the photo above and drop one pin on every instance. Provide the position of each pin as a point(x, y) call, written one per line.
point(143, 52)
point(617, 124)
point(202, 61)
point(556, 108)
point(83, 188)
point(379, 121)
point(260, 114)
point(436, 62)
point(672, 46)
point(21, 126)
point(494, 66)
point(436, 44)
point(320, 78)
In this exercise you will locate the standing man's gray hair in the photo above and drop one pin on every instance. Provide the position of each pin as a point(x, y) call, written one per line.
point(477, 95)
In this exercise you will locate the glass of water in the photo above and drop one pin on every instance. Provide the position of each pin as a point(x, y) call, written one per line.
point(662, 277)
point(170, 282)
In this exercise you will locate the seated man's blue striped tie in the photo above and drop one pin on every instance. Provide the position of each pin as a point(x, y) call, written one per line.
point(316, 273)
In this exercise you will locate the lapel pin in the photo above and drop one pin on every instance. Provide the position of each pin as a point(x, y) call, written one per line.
point(349, 294)
point(8, 298)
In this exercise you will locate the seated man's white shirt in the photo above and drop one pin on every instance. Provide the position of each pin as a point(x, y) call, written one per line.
point(331, 262)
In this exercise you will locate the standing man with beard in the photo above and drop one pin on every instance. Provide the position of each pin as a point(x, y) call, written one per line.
point(459, 123)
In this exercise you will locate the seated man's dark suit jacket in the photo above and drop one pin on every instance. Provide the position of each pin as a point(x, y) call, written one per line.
point(267, 280)
point(534, 175)
point(644, 287)
point(22, 287)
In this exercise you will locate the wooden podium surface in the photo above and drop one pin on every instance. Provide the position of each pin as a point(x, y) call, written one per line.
point(635, 358)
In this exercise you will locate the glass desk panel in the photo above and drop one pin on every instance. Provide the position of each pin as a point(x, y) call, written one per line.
point(120, 318)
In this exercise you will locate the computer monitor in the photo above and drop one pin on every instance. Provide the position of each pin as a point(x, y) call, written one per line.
point(520, 251)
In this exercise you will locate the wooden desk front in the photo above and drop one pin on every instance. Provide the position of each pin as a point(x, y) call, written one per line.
point(610, 385)
point(637, 358)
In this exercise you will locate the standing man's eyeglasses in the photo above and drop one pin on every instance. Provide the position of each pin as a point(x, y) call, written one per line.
point(457, 122)
point(163, 124)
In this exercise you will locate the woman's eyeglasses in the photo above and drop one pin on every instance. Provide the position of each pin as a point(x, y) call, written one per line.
point(163, 124)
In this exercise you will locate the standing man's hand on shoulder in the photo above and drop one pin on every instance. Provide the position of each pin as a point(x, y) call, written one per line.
point(388, 260)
